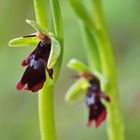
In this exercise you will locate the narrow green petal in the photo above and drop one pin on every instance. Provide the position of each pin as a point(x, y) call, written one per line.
point(55, 52)
point(36, 26)
point(77, 91)
point(21, 41)
point(78, 66)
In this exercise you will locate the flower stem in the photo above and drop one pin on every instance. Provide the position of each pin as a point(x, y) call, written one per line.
point(45, 99)
point(46, 113)
point(115, 124)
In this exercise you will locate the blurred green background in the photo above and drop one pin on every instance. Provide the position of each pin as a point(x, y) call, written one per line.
point(19, 111)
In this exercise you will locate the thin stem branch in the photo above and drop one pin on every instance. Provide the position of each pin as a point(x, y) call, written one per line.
point(115, 124)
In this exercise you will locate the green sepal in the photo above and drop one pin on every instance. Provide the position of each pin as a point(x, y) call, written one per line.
point(36, 26)
point(78, 66)
point(54, 53)
point(77, 91)
point(24, 41)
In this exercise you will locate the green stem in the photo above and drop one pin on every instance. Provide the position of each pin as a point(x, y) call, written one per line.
point(46, 113)
point(107, 61)
point(45, 99)
point(40, 13)
point(115, 124)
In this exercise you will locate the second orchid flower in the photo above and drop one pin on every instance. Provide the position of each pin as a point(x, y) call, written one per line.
point(89, 87)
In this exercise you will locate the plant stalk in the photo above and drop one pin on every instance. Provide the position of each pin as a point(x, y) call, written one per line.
point(106, 58)
point(115, 124)
point(45, 97)
point(46, 113)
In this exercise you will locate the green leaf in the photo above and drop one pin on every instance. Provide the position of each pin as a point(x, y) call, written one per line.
point(92, 50)
point(78, 66)
point(21, 41)
point(82, 12)
point(77, 91)
point(55, 52)
point(36, 26)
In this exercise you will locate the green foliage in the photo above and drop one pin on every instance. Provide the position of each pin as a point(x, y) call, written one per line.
point(82, 12)
point(96, 32)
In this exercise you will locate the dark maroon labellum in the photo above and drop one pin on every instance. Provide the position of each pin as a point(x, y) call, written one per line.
point(34, 76)
point(97, 111)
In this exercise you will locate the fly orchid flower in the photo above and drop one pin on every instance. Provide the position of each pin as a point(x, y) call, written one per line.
point(34, 76)
point(97, 110)
point(42, 59)
point(89, 87)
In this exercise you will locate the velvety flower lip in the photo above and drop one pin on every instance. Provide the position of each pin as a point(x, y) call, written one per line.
point(34, 76)
point(97, 111)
